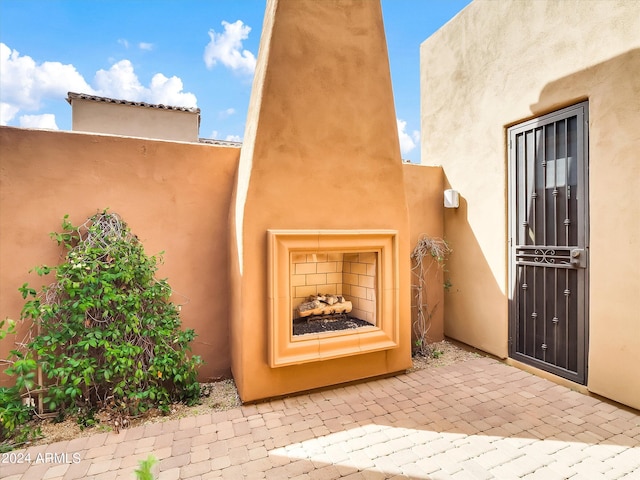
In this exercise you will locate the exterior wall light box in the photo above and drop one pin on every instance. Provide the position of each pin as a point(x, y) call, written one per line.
point(451, 199)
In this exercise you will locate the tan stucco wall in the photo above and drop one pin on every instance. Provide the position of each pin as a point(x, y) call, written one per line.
point(501, 62)
point(424, 187)
point(134, 121)
point(174, 196)
point(320, 152)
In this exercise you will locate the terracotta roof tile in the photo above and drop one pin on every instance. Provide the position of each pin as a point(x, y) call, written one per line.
point(224, 143)
point(95, 98)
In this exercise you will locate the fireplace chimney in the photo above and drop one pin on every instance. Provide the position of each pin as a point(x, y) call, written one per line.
point(320, 173)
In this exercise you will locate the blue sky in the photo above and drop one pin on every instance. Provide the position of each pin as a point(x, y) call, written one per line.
point(182, 53)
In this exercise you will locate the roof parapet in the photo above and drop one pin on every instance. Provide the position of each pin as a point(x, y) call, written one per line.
point(95, 98)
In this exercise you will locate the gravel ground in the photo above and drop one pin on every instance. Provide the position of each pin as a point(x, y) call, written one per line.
point(222, 395)
point(444, 353)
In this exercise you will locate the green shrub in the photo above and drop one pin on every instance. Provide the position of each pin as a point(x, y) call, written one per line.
point(14, 414)
point(14, 417)
point(108, 336)
point(145, 466)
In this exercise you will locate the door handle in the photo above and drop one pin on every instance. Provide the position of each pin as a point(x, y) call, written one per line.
point(578, 258)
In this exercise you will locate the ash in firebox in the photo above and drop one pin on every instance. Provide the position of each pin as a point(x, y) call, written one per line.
point(327, 323)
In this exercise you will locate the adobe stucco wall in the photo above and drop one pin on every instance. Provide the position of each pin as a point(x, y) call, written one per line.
point(174, 196)
point(134, 121)
point(497, 64)
point(423, 187)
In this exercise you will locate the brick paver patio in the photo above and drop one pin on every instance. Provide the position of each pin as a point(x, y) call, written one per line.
point(478, 419)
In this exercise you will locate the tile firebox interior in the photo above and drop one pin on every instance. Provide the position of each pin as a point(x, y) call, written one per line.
point(349, 275)
point(360, 266)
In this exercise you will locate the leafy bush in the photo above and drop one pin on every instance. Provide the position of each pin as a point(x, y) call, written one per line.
point(106, 334)
point(14, 414)
point(14, 418)
point(144, 472)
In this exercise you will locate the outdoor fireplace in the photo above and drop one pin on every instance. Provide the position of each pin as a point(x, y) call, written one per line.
point(356, 273)
point(321, 111)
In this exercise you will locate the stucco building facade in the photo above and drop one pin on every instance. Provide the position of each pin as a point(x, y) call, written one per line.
point(484, 75)
point(95, 114)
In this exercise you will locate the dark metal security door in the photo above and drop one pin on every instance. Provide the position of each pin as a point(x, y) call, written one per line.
point(548, 160)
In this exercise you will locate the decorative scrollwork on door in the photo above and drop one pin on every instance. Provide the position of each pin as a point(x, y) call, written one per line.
point(545, 256)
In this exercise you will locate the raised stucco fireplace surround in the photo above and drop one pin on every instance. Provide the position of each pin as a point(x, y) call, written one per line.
point(303, 262)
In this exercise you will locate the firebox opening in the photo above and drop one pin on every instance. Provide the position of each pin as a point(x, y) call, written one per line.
point(333, 291)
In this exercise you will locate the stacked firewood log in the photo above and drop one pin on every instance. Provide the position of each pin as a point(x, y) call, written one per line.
point(324, 305)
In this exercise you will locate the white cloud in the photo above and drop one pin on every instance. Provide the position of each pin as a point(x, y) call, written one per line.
point(145, 46)
point(46, 120)
point(168, 91)
point(215, 134)
point(226, 48)
point(7, 112)
point(24, 84)
point(226, 113)
point(123, 42)
point(407, 141)
point(122, 82)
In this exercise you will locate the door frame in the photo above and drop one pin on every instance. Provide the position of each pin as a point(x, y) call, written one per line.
point(582, 110)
